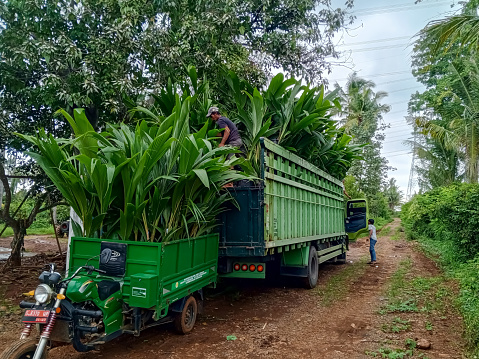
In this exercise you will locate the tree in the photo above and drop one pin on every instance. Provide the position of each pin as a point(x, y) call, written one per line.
point(449, 106)
point(441, 35)
point(362, 111)
point(393, 194)
point(100, 54)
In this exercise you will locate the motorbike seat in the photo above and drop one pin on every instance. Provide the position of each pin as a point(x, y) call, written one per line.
point(107, 287)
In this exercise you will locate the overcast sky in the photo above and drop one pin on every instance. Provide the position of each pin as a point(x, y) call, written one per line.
point(378, 48)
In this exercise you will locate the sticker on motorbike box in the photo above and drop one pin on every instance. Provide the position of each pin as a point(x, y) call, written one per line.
point(189, 279)
point(138, 292)
point(36, 316)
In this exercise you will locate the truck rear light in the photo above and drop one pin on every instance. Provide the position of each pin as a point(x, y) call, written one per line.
point(244, 267)
point(252, 268)
point(260, 268)
point(237, 266)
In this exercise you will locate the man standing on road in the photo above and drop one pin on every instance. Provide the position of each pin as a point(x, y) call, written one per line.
point(231, 136)
point(372, 241)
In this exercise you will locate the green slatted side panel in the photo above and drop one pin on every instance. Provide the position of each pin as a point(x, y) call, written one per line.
point(300, 199)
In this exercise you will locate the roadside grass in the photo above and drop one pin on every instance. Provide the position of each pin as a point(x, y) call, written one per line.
point(408, 293)
point(399, 234)
point(411, 300)
point(465, 274)
point(398, 353)
point(396, 326)
point(385, 231)
point(408, 351)
point(31, 231)
point(338, 284)
point(380, 222)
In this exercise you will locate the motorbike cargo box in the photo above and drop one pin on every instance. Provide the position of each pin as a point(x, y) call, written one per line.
point(144, 290)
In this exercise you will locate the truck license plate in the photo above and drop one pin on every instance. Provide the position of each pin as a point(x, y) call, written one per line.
point(36, 316)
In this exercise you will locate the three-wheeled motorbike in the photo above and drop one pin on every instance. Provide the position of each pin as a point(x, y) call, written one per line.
point(120, 287)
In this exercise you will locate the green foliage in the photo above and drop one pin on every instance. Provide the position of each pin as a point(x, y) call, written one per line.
point(378, 206)
point(297, 117)
point(363, 111)
point(446, 214)
point(393, 194)
point(396, 326)
point(444, 220)
point(391, 353)
point(156, 181)
point(68, 54)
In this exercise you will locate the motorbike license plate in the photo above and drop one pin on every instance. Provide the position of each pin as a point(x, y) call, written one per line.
point(36, 316)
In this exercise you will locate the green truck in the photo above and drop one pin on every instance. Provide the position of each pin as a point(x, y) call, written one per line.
point(291, 220)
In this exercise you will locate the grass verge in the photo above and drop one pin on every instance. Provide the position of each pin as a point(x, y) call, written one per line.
point(338, 285)
point(31, 231)
point(466, 274)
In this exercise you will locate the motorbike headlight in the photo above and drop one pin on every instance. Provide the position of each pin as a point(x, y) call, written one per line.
point(43, 293)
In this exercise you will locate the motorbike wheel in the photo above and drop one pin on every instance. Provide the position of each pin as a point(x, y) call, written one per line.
point(185, 321)
point(22, 349)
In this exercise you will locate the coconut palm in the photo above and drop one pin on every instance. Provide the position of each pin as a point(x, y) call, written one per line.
point(461, 130)
point(361, 106)
point(463, 29)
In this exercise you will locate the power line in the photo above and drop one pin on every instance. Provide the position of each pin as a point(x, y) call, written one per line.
point(376, 41)
point(393, 81)
point(409, 88)
point(378, 48)
point(377, 75)
point(397, 8)
point(402, 154)
point(387, 153)
point(391, 6)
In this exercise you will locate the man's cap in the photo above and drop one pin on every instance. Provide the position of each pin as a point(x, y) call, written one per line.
point(211, 110)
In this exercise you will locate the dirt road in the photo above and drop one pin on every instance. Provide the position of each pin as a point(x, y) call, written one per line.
point(357, 311)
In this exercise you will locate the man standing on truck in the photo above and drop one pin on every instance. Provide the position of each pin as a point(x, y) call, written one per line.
point(372, 241)
point(231, 135)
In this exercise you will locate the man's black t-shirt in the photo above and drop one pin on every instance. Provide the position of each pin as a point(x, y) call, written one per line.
point(234, 137)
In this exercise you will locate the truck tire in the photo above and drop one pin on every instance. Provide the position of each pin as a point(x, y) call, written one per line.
point(185, 321)
point(59, 232)
point(22, 349)
point(313, 269)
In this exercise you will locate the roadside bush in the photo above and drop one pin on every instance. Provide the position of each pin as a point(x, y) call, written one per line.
point(446, 214)
point(445, 222)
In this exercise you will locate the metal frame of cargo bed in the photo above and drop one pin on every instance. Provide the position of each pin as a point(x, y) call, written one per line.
point(295, 205)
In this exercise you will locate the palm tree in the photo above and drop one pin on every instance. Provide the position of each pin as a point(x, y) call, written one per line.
point(361, 105)
point(461, 131)
point(393, 194)
point(442, 34)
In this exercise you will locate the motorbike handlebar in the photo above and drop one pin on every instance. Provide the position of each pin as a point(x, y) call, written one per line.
point(93, 269)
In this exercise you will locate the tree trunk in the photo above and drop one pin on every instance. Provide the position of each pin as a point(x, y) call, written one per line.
point(17, 245)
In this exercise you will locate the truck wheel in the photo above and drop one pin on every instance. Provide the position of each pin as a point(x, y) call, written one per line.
point(313, 268)
point(185, 321)
point(22, 349)
point(59, 232)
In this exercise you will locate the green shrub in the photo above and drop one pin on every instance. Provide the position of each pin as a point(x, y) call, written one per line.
point(445, 222)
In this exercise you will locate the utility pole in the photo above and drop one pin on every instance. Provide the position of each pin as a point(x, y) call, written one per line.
point(412, 172)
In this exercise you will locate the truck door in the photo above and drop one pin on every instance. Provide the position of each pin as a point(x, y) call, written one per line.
point(355, 221)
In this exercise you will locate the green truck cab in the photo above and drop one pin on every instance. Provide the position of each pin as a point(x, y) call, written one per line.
point(293, 218)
